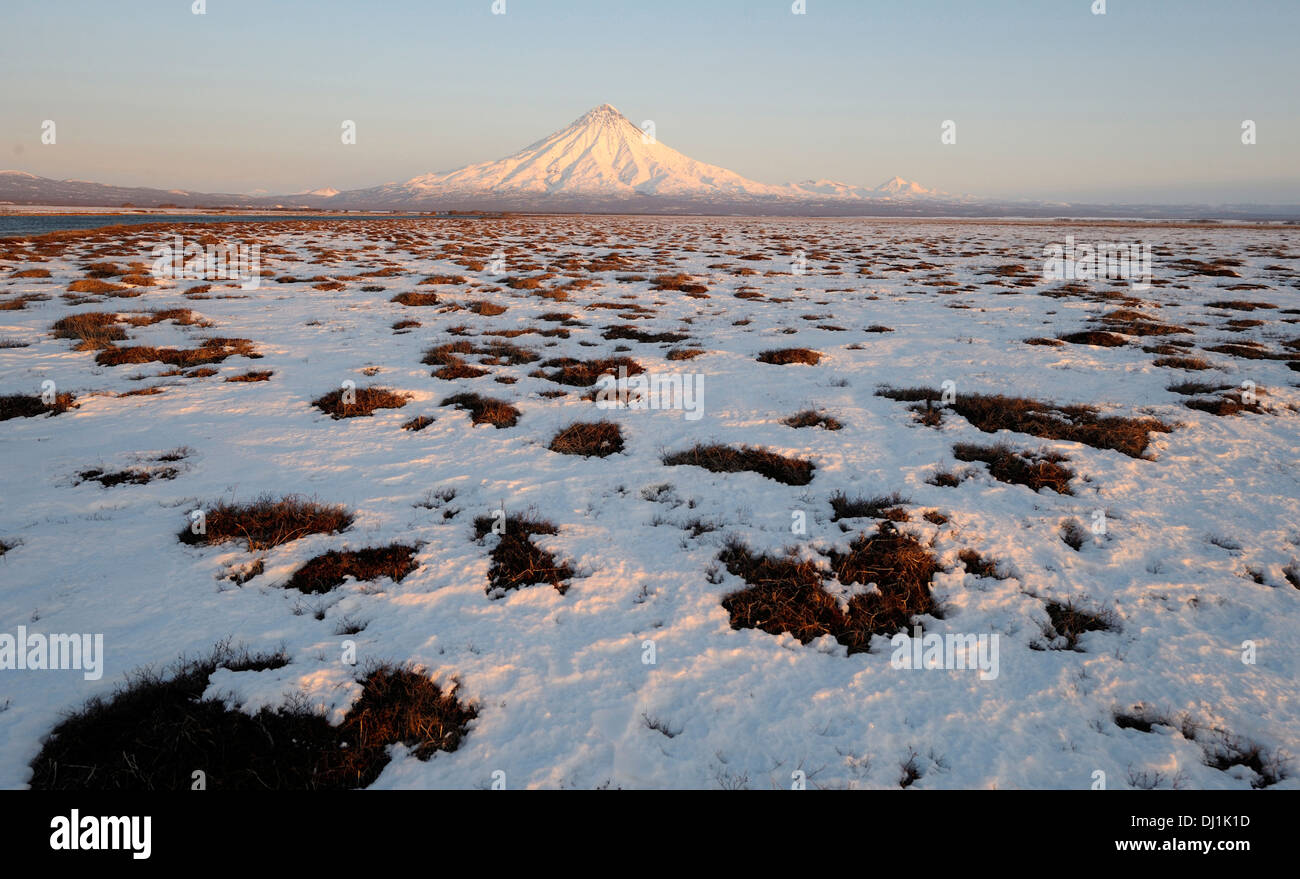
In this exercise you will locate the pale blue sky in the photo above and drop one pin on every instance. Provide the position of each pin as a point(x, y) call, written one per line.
point(1051, 101)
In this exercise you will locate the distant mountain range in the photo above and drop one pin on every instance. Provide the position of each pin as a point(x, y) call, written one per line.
point(603, 162)
point(605, 159)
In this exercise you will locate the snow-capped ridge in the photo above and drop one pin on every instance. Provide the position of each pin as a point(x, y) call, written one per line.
point(601, 160)
point(604, 154)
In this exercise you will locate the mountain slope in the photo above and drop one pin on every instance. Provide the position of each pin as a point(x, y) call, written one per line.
point(600, 153)
point(604, 154)
point(602, 162)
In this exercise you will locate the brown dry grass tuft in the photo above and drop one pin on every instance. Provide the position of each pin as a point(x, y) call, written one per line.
point(888, 506)
point(252, 376)
point(1224, 404)
point(1068, 622)
point(583, 373)
point(516, 561)
point(266, 522)
point(783, 356)
point(365, 402)
point(485, 410)
point(154, 731)
point(94, 285)
point(93, 329)
point(588, 438)
point(812, 418)
point(1239, 304)
point(1191, 388)
point(629, 332)
point(1194, 363)
point(1248, 351)
point(415, 299)
point(1094, 337)
point(729, 459)
point(978, 565)
point(130, 476)
point(451, 365)
point(209, 351)
point(680, 282)
point(1073, 423)
point(331, 569)
point(1042, 470)
point(787, 594)
point(29, 406)
point(418, 423)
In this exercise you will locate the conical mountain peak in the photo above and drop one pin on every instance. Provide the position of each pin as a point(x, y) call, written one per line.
point(604, 154)
point(604, 111)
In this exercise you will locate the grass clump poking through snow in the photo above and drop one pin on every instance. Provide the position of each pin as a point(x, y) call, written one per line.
point(812, 418)
point(881, 507)
point(783, 595)
point(29, 406)
point(1230, 403)
point(1099, 338)
point(1042, 470)
point(583, 373)
point(92, 329)
point(155, 731)
point(516, 561)
point(1068, 622)
point(449, 362)
point(789, 595)
point(485, 308)
point(1073, 423)
point(416, 299)
point(209, 351)
point(631, 333)
point(1194, 363)
point(485, 410)
point(729, 459)
point(129, 476)
point(588, 438)
point(255, 375)
point(1073, 534)
point(93, 285)
point(266, 522)
point(364, 402)
point(783, 356)
point(331, 569)
point(976, 564)
point(1268, 766)
point(418, 423)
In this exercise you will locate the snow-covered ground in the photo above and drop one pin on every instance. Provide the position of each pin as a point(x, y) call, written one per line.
point(565, 697)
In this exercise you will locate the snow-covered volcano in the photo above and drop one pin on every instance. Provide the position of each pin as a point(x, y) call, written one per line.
point(601, 162)
point(603, 155)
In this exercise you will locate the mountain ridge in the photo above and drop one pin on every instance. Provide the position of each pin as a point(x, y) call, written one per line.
point(603, 163)
point(599, 160)
point(603, 153)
